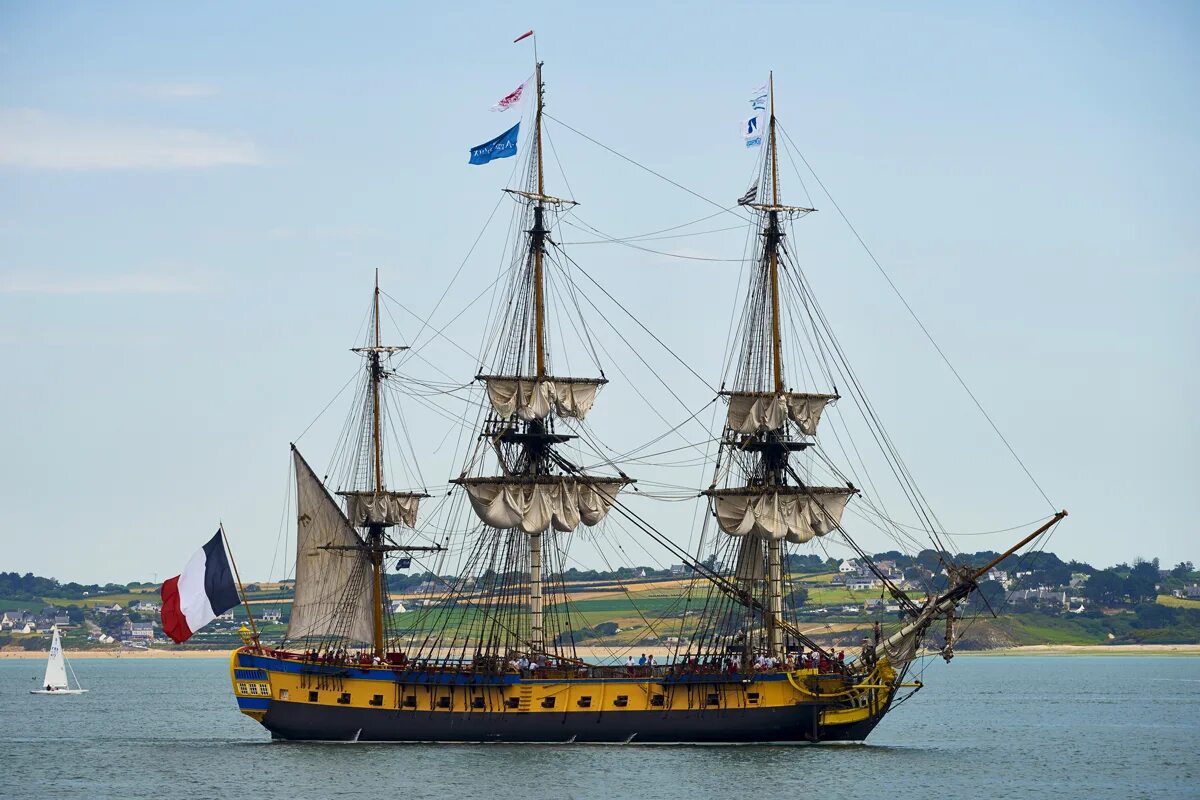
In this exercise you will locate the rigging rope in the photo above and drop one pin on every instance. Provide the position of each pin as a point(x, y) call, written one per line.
point(921, 325)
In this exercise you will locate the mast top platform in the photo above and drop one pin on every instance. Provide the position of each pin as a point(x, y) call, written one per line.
point(798, 210)
point(538, 197)
point(379, 348)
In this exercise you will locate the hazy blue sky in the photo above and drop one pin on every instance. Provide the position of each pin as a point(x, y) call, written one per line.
point(196, 196)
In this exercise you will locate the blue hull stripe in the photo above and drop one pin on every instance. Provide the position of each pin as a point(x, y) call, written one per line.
point(462, 679)
point(253, 703)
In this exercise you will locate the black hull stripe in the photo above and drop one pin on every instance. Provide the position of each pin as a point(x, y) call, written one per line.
point(300, 721)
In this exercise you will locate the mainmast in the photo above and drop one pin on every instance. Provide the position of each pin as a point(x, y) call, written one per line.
point(538, 234)
point(538, 491)
point(537, 242)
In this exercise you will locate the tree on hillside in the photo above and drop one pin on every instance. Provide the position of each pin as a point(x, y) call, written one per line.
point(994, 593)
point(930, 560)
point(1152, 615)
point(805, 562)
point(1105, 588)
point(1142, 584)
point(797, 597)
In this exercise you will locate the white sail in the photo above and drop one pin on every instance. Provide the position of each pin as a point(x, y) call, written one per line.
point(750, 565)
point(56, 665)
point(750, 412)
point(547, 502)
point(533, 398)
point(333, 592)
point(382, 508)
point(792, 512)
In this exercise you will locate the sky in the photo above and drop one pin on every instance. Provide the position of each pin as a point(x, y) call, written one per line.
point(196, 197)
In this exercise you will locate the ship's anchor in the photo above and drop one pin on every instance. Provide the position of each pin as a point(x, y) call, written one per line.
point(948, 649)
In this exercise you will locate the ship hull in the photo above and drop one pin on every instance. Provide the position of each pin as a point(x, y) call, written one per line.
point(301, 722)
point(308, 702)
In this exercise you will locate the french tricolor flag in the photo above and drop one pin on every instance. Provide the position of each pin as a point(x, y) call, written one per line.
point(198, 595)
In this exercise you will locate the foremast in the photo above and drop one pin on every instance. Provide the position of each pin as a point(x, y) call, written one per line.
point(765, 500)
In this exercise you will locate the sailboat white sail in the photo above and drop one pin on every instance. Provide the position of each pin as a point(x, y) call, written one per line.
point(55, 681)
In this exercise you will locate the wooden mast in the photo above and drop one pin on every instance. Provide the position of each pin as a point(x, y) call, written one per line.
point(537, 241)
point(377, 440)
point(773, 250)
point(375, 532)
point(774, 547)
point(539, 233)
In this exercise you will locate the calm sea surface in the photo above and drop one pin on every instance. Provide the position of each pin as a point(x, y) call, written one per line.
point(1061, 728)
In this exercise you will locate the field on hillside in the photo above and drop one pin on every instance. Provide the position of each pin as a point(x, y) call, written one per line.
point(646, 609)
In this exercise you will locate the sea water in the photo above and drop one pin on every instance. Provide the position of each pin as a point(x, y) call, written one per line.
point(983, 727)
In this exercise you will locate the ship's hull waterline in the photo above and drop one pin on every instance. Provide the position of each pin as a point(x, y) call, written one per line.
point(310, 702)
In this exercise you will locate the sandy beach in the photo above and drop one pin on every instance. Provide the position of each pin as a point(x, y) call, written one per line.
point(1089, 650)
point(74, 655)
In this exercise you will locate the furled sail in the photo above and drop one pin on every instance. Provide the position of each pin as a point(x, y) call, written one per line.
point(333, 596)
point(750, 412)
point(797, 513)
point(750, 565)
point(534, 398)
point(382, 508)
point(537, 504)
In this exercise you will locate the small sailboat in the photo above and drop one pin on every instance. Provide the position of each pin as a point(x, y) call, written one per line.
point(55, 681)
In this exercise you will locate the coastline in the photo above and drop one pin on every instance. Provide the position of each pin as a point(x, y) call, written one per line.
point(76, 655)
point(661, 653)
point(1089, 650)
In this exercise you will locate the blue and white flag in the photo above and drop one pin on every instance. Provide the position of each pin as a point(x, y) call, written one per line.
point(502, 146)
point(752, 130)
point(753, 133)
point(759, 101)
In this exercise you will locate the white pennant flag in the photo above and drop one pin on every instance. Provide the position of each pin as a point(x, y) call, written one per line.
point(511, 99)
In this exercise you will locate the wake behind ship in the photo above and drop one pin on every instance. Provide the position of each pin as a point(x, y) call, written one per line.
point(497, 657)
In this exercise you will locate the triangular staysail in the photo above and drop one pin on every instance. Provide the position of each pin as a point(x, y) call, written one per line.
point(333, 592)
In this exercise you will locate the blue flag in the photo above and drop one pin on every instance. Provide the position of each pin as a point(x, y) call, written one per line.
point(502, 146)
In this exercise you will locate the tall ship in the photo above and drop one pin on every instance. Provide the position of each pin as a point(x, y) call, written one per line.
point(498, 652)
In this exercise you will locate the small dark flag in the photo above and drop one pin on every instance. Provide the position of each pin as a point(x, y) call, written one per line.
point(749, 196)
